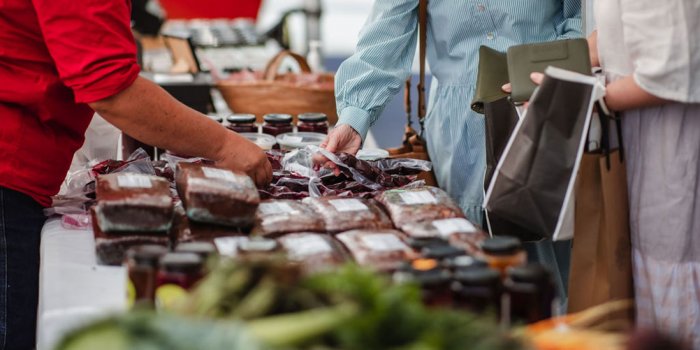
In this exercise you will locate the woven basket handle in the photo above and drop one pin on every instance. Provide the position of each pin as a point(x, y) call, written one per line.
point(274, 65)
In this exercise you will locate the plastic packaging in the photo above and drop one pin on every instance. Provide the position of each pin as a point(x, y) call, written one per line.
point(410, 206)
point(278, 217)
point(264, 141)
point(295, 140)
point(217, 196)
point(458, 231)
point(379, 249)
point(372, 154)
point(315, 252)
point(128, 202)
point(343, 214)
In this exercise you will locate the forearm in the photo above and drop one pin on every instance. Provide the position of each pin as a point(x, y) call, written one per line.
point(625, 94)
point(148, 113)
point(593, 49)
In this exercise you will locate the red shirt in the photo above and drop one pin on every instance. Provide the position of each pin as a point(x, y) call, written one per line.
point(55, 57)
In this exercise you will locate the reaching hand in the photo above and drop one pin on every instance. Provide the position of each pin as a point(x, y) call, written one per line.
point(534, 76)
point(342, 139)
point(242, 155)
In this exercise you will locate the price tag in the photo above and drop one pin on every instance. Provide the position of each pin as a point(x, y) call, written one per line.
point(447, 227)
point(301, 246)
point(418, 197)
point(383, 242)
point(214, 173)
point(134, 181)
point(345, 205)
point(228, 246)
point(274, 208)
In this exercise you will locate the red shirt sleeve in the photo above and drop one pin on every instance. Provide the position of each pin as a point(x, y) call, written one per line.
point(91, 44)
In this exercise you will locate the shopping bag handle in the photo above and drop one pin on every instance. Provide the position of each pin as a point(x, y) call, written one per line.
point(273, 67)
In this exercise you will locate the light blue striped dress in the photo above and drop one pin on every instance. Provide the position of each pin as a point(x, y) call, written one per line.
point(368, 80)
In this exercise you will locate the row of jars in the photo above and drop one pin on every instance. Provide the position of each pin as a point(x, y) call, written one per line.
point(499, 281)
point(277, 124)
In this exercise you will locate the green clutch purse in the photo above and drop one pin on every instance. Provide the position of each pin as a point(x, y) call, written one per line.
point(569, 54)
point(493, 73)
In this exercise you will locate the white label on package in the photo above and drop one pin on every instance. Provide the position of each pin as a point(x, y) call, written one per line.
point(214, 173)
point(134, 181)
point(274, 208)
point(293, 139)
point(228, 246)
point(447, 227)
point(419, 197)
point(302, 246)
point(383, 242)
point(343, 205)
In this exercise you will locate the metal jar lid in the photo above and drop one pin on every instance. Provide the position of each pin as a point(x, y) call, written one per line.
point(276, 118)
point(312, 117)
point(241, 118)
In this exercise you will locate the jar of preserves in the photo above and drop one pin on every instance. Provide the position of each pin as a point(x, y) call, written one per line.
point(180, 269)
point(503, 252)
point(205, 250)
point(477, 289)
point(313, 122)
point(142, 265)
point(277, 124)
point(433, 280)
point(242, 123)
point(530, 293)
point(441, 252)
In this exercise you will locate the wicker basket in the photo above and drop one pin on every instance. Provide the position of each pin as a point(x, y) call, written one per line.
point(281, 93)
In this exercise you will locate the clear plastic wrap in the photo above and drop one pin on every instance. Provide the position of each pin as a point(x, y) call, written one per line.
point(315, 252)
point(408, 206)
point(382, 250)
point(278, 217)
point(457, 231)
point(129, 202)
point(217, 196)
point(344, 214)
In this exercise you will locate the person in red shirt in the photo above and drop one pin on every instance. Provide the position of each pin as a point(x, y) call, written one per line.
point(61, 61)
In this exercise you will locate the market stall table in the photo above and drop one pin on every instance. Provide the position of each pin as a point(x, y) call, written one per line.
point(74, 289)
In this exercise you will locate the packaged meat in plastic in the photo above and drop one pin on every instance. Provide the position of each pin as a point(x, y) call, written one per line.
point(243, 247)
point(408, 206)
point(217, 196)
point(344, 214)
point(129, 202)
point(315, 252)
point(185, 230)
point(111, 248)
point(379, 249)
point(457, 231)
point(277, 217)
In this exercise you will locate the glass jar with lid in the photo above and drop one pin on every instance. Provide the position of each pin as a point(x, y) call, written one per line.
point(477, 289)
point(277, 124)
point(142, 265)
point(529, 293)
point(433, 280)
point(180, 269)
point(313, 122)
point(503, 252)
point(242, 123)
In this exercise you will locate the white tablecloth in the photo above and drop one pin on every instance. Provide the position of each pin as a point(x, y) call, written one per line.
point(73, 290)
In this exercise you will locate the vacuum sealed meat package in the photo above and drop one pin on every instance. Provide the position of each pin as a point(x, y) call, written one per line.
point(457, 231)
point(344, 214)
point(111, 248)
point(217, 196)
point(129, 202)
point(409, 206)
point(277, 217)
point(379, 249)
point(315, 252)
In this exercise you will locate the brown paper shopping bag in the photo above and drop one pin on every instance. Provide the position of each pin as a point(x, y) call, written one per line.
point(601, 263)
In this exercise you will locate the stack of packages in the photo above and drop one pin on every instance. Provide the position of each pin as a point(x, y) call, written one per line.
point(371, 213)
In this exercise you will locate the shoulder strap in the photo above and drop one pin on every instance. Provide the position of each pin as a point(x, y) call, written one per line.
point(422, 38)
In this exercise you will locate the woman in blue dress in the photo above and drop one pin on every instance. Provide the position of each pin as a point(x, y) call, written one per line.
point(370, 78)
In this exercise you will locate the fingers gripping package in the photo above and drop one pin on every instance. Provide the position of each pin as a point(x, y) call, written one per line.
point(344, 214)
point(457, 231)
point(410, 206)
point(129, 202)
point(379, 249)
point(315, 252)
point(217, 196)
point(275, 218)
